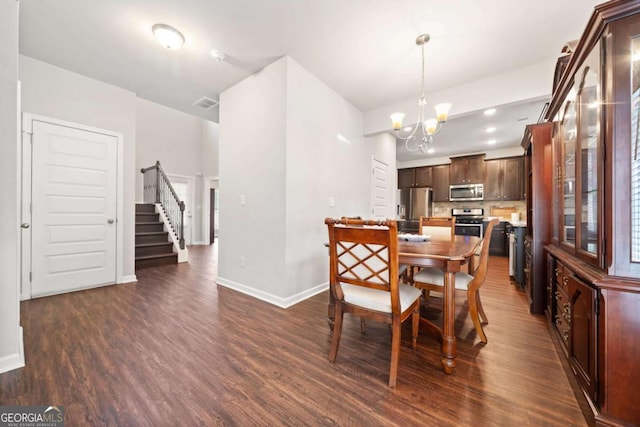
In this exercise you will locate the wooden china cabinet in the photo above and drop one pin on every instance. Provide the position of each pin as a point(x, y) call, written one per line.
point(593, 263)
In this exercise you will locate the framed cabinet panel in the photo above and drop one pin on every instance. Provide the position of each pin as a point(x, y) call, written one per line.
point(504, 179)
point(424, 176)
point(406, 178)
point(440, 183)
point(467, 170)
point(582, 346)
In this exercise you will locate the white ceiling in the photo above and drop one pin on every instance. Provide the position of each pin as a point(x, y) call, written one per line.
point(364, 49)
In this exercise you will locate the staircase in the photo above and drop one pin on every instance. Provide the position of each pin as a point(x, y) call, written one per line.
point(153, 246)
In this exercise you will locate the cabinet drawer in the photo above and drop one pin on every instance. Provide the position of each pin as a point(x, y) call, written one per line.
point(562, 318)
point(562, 282)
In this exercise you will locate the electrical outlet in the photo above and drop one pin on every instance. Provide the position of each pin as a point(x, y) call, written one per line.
point(243, 263)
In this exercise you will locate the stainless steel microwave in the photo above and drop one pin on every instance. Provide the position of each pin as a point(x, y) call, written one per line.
point(466, 192)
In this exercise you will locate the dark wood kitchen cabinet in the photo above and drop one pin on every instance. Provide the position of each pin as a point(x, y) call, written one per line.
point(467, 170)
point(424, 176)
point(595, 244)
point(406, 178)
point(415, 177)
point(440, 183)
point(504, 179)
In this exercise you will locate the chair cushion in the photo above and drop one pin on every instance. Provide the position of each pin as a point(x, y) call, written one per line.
point(435, 276)
point(374, 299)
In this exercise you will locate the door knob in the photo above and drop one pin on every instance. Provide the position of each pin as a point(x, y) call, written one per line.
point(111, 221)
point(24, 225)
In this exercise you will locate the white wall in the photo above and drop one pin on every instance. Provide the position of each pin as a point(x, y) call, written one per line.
point(11, 354)
point(319, 166)
point(252, 163)
point(54, 92)
point(210, 148)
point(304, 146)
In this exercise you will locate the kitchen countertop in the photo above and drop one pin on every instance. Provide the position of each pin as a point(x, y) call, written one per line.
point(513, 223)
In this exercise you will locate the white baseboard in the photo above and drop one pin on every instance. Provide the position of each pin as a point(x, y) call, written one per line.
point(272, 299)
point(128, 279)
point(15, 360)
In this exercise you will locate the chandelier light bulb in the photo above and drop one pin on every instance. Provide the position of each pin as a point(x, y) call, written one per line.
point(431, 126)
point(442, 111)
point(396, 120)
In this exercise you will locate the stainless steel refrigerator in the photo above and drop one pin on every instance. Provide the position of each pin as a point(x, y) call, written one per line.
point(411, 204)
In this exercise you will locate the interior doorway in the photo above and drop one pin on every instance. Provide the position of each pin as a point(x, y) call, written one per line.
point(210, 209)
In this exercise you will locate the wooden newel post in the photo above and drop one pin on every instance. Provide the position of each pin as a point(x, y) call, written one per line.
point(181, 225)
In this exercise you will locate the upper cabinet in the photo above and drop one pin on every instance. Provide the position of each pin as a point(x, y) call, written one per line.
point(504, 179)
point(467, 170)
point(441, 183)
point(406, 178)
point(415, 177)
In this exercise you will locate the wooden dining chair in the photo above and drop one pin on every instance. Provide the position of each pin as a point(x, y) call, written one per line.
point(437, 226)
point(432, 279)
point(364, 281)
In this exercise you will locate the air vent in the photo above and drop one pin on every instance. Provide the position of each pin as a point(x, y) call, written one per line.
point(206, 103)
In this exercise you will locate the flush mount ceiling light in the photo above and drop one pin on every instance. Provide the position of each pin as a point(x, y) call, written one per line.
point(489, 111)
point(430, 127)
point(168, 36)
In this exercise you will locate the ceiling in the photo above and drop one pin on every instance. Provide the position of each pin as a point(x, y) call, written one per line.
point(364, 49)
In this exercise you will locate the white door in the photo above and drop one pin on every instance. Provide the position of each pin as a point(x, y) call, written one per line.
point(379, 189)
point(73, 197)
point(183, 186)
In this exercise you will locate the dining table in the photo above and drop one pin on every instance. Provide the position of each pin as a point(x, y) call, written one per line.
point(449, 255)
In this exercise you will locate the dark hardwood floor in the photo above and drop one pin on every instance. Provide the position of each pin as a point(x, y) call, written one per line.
point(176, 349)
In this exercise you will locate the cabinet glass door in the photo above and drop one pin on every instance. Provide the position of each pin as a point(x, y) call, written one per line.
point(589, 102)
point(568, 177)
point(635, 149)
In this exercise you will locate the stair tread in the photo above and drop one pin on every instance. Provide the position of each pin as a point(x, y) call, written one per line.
point(151, 233)
point(147, 245)
point(156, 256)
point(149, 223)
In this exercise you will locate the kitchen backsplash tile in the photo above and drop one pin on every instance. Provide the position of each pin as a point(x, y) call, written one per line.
point(444, 208)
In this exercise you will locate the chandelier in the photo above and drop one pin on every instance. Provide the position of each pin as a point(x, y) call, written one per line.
point(430, 127)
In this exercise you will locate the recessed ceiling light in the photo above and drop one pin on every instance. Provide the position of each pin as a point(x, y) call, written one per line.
point(491, 141)
point(490, 129)
point(431, 151)
point(408, 128)
point(218, 55)
point(489, 112)
point(168, 36)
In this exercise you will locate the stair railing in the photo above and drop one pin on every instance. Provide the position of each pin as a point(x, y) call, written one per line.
point(158, 189)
